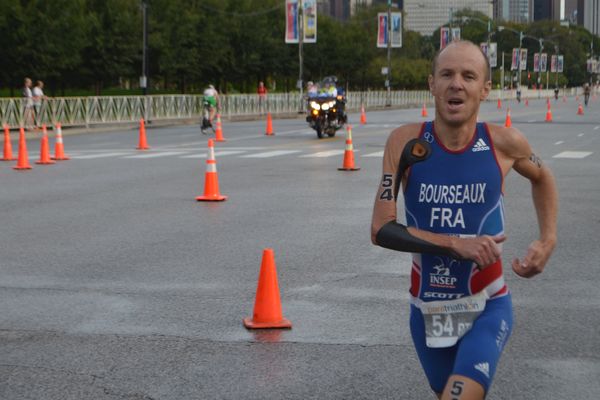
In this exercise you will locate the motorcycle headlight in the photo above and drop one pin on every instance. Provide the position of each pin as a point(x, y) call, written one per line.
point(332, 104)
point(315, 105)
point(325, 106)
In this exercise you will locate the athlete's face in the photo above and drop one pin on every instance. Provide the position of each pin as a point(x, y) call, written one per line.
point(459, 83)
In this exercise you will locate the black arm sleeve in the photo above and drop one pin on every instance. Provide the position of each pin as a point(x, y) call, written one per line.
point(396, 236)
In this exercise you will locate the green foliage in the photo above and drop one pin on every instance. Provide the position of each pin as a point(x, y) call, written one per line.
point(96, 46)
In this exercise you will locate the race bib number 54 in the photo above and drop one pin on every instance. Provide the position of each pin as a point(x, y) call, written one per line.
point(448, 321)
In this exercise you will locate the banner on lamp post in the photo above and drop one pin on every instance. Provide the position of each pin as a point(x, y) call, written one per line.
point(292, 21)
point(536, 62)
point(385, 29)
point(515, 60)
point(523, 60)
point(543, 62)
point(309, 9)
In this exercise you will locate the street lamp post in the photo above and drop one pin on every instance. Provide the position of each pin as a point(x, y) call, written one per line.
point(144, 78)
point(388, 81)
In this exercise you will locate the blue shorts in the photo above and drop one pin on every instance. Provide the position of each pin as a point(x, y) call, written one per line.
point(475, 355)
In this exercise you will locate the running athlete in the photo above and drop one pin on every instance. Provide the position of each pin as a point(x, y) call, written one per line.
point(451, 172)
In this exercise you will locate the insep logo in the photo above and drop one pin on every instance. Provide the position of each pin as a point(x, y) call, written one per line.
point(440, 277)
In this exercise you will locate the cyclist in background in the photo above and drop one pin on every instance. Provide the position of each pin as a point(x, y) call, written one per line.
point(211, 96)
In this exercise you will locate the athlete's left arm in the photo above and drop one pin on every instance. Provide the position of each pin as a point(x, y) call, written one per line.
point(545, 200)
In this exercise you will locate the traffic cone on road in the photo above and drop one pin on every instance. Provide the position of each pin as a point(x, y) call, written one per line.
point(508, 121)
point(363, 116)
point(23, 161)
point(44, 148)
point(8, 155)
point(143, 145)
point(424, 111)
point(348, 164)
point(526, 102)
point(211, 180)
point(267, 305)
point(269, 131)
point(580, 109)
point(59, 149)
point(219, 131)
point(548, 114)
point(499, 104)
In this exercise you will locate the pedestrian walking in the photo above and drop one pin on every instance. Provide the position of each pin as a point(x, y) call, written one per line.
point(38, 98)
point(261, 90)
point(28, 113)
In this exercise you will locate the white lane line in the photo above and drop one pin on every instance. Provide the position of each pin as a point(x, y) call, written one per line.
point(101, 155)
point(531, 120)
point(217, 154)
point(597, 127)
point(572, 154)
point(274, 153)
point(559, 142)
point(581, 134)
point(156, 155)
point(321, 154)
point(376, 154)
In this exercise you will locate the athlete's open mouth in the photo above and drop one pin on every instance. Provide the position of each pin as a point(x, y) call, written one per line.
point(455, 101)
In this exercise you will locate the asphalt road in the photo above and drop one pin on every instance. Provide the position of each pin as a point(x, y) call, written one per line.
point(116, 284)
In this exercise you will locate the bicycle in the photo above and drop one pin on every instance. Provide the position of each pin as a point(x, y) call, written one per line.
point(206, 122)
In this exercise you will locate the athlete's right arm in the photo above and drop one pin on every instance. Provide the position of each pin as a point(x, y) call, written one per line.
point(387, 232)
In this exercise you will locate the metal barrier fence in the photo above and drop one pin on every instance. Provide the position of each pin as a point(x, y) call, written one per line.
point(86, 111)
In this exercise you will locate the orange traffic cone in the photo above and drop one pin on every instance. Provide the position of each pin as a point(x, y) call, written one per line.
point(23, 161)
point(499, 104)
point(59, 149)
point(579, 110)
point(348, 164)
point(549, 114)
point(44, 148)
point(363, 116)
point(8, 155)
point(211, 180)
point(526, 102)
point(424, 111)
point(267, 306)
point(269, 131)
point(143, 145)
point(508, 121)
point(219, 131)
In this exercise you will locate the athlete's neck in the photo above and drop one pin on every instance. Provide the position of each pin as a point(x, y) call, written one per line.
point(455, 137)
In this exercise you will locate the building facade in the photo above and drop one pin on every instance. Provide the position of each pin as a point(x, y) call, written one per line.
point(591, 17)
point(426, 16)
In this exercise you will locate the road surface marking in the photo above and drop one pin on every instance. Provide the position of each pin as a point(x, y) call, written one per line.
point(572, 154)
point(217, 154)
point(101, 155)
point(581, 134)
point(321, 154)
point(376, 154)
point(559, 142)
point(156, 155)
point(274, 153)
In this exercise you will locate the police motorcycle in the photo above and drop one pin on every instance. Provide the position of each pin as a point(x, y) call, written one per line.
point(326, 110)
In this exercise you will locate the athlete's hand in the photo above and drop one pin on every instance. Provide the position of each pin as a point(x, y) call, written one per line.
point(534, 261)
point(483, 250)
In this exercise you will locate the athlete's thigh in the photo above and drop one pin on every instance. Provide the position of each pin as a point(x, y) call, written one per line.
point(480, 349)
point(462, 388)
point(437, 363)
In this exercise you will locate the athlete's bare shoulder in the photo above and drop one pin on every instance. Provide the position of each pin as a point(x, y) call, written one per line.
point(399, 136)
point(509, 142)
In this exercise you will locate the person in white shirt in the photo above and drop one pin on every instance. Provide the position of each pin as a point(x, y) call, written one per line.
point(28, 104)
point(37, 97)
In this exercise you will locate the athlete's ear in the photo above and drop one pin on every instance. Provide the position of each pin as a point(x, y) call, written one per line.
point(485, 92)
point(431, 84)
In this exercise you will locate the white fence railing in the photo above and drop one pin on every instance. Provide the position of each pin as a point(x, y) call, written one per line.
point(86, 111)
